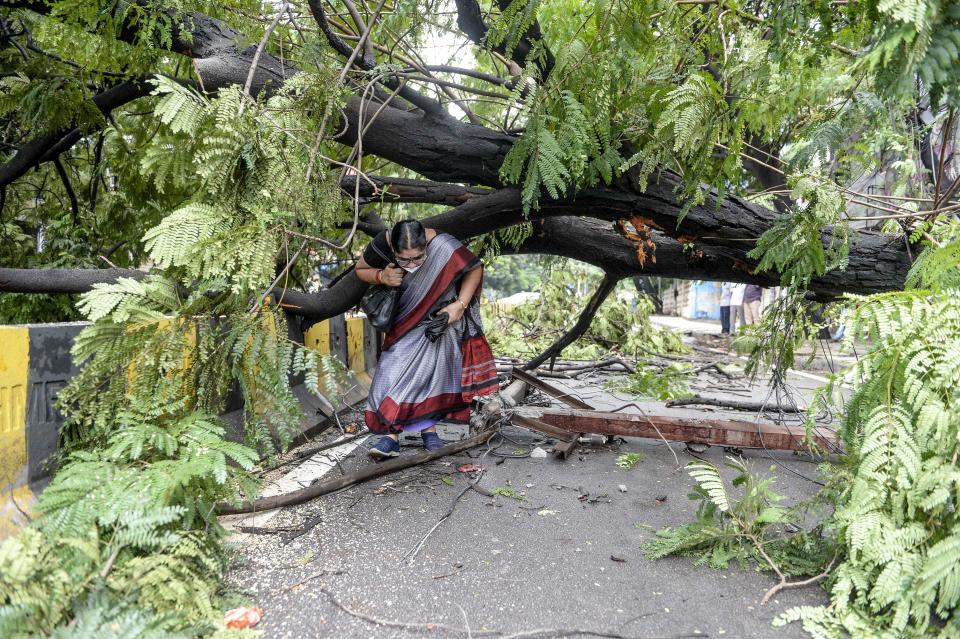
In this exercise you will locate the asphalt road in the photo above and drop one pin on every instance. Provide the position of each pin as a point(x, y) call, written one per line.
point(511, 565)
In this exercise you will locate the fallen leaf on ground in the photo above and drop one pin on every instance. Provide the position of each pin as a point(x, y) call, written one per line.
point(547, 512)
point(244, 617)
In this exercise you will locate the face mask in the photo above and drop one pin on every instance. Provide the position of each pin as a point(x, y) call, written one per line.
point(412, 269)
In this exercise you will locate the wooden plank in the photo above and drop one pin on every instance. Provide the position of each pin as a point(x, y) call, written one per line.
point(719, 432)
point(532, 423)
point(562, 450)
point(549, 389)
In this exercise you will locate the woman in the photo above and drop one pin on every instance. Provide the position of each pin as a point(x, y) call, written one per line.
point(421, 380)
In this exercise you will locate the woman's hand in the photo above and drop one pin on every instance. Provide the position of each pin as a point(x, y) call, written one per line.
point(454, 311)
point(390, 276)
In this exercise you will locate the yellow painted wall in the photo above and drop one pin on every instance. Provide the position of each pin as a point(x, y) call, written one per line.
point(14, 367)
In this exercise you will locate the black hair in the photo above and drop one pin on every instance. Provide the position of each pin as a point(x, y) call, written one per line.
point(408, 234)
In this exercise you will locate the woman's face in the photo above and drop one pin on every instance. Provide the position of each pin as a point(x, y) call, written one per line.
point(411, 259)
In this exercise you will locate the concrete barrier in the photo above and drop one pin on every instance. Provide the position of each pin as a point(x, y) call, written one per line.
point(35, 364)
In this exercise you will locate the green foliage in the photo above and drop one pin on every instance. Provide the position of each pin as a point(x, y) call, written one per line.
point(664, 382)
point(793, 246)
point(507, 491)
point(127, 543)
point(621, 325)
point(747, 529)
point(627, 460)
point(897, 518)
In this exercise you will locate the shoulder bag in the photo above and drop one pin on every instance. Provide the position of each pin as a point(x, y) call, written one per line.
point(380, 301)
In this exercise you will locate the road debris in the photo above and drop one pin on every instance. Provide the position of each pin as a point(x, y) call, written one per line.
point(244, 617)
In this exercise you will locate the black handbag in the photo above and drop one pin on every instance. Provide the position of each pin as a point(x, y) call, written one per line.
point(380, 302)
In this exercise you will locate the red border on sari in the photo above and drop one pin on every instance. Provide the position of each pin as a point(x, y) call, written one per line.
point(461, 258)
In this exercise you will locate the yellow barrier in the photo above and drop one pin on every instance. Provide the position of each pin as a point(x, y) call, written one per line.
point(14, 372)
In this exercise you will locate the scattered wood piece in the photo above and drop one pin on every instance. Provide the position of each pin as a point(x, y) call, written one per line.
point(566, 441)
point(756, 407)
point(558, 393)
point(366, 473)
point(721, 432)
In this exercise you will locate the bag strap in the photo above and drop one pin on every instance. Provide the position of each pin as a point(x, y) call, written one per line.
point(380, 253)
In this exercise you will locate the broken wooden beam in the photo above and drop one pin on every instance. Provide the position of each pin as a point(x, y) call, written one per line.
point(718, 432)
point(549, 389)
point(566, 441)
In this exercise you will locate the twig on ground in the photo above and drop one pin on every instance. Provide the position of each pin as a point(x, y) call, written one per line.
point(784, 584)
point(320, 573)
point(302, 530)
point(523, 634)
point(413, 552)
point(457, 569)
point(712, 365)
point(399, 624)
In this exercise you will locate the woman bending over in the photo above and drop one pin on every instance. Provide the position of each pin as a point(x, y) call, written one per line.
point(425, 376)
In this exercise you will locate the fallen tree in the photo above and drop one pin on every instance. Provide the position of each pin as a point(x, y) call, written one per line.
point(710, 240)
point(645, 138)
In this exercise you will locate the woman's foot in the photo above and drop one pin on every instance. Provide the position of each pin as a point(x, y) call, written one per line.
point(385, 448)
point(432, 441)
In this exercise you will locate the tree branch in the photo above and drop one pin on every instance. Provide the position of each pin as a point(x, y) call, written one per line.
point(62, 172)
point(470, 21)
point(46, 147)
point(583, 323)
point(394, 189)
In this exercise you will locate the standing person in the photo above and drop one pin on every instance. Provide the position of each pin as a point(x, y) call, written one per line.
point(736, 306)
point(751, 304)
point(726, 290)
point(423, 377)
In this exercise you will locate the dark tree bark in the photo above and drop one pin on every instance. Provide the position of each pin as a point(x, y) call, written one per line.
point(46, 147)
point(718, 233)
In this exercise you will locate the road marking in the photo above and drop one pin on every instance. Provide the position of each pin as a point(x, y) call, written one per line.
point(309, 471)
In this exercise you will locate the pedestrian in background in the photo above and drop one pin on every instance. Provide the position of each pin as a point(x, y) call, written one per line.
point(736, 306)
point(726, 290)
point(751, 303)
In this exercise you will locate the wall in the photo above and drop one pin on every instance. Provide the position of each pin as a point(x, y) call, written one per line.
point(35, 364)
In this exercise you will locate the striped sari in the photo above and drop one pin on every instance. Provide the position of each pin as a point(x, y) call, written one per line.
point(418, 382)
